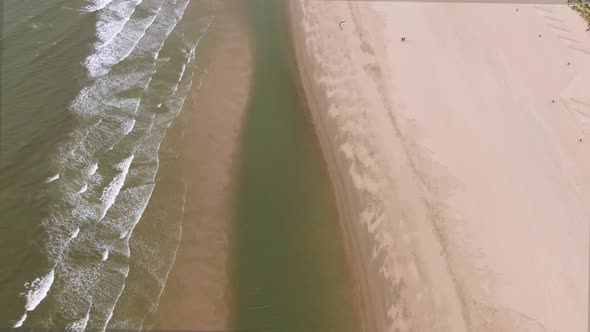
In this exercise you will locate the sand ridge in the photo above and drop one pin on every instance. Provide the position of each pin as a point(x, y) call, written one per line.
point(463, 146)
point(198, 292)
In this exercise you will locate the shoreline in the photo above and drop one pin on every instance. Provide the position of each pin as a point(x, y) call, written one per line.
point(441, 195)
point(198, 293)
point(349, 201)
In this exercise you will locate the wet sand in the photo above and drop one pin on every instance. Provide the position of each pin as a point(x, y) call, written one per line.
point(350, 201)
point(198, 294)
point(459, 158)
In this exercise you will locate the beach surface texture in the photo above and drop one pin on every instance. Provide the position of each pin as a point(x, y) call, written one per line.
point(198, 294)
point(460, 158)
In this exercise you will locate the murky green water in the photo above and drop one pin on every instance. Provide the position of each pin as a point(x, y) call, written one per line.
point(291, 272)
point(89, 90)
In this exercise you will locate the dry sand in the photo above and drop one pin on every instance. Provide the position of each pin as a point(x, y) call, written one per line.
point(456, 157)
point(197, 293)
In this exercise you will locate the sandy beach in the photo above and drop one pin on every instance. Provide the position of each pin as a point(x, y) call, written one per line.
point(198, 292)
point(460, 158)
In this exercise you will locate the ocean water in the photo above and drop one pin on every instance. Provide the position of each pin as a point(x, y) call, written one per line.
point(90, 90)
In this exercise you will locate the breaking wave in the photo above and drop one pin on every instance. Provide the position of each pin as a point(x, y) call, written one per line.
point(108, 164)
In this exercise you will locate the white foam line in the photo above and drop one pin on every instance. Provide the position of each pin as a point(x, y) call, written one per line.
point(107, 55)
point(20, 322)
point(178, 16)
point(52, 178)
point(91, 170)
point(108, 29)
point(129, 127)
point(75, 233)
point(145, 87)
point(143, 32)
point(105, 255)
point(110, 193)
point(110, 315)
point(37, 290)
point(182, 71)
point(141, 207)
point(79, 325)
point(98, 5)
point(130, 232)
point(191, 58)
point(103, 30)
point(83, 189)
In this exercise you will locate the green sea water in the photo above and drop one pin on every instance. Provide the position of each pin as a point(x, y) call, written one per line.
point(291, 269)
point(89, 219)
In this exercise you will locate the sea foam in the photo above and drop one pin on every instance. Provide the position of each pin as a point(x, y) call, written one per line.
point(83, 189)
point(79, 325)
point(92, 169)
point(105, 255)
point(119, 43)
point(75, 233)
point(52, 178)
point(111, 192)
point(96, 5)
point(20, 322)
point(123, 96)
point(37, 290)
